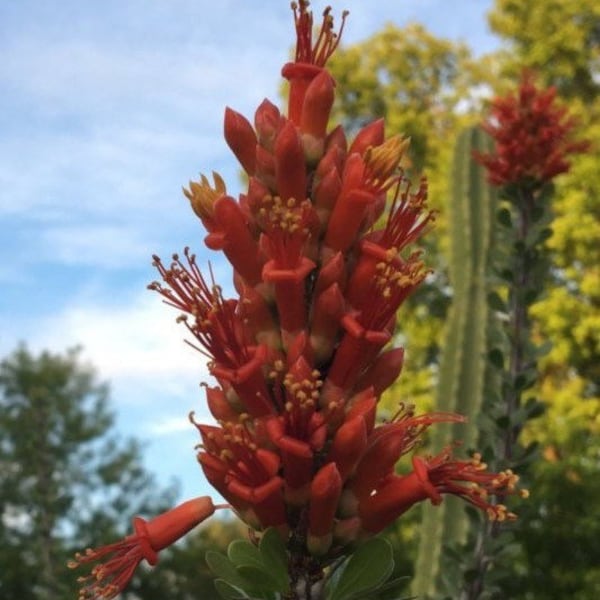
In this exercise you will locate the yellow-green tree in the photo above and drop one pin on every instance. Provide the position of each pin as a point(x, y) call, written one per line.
point(560, 41)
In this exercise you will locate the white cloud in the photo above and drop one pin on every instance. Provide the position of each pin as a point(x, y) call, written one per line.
point(136, 340)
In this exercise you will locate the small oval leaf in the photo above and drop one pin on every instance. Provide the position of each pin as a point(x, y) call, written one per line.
point(368, 568)
point(229, 592)
point(274, 557)
point(259, 578)
point(242, 552)
point(223, 568)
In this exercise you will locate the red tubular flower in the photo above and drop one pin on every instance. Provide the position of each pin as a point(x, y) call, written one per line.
point(315, 112)
point(240, 137)
point(387, 443)
point(349, 443)
point(357, 349)
point(325, 490)
point(430, 479)
point(268, 122)
point(109, 578)
point(247, 379)
point(533, 137)
point(311, 56)
point(365, 181)
point(290, 168)
point(327, 311)
point(289, 292)
point(369, 136)
point(350, 207)
point(257, 314)
point(242, 471)
point(232, 236)
point(220, 408)
point(384, 370)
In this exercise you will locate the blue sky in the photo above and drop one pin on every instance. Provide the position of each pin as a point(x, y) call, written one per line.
point(106, 110)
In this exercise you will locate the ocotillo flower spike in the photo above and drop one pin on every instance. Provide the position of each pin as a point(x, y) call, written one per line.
point(301, 356)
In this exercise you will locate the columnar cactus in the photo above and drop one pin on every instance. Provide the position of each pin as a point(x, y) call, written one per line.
point(462, 375)
point(302, 355)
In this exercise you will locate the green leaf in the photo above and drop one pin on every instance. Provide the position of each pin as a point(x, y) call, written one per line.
point(504, 217)
point(537, 212)
point(543, 349)
point(535, 409)
point(223, 568)
point(259, 578)
point(228, 591)
point(495, 302)
point(503, 422)
point(368, 568)
point(496, 357)
point(242, 552)
point(531, 295)
point(274, 557)
point(249, 562)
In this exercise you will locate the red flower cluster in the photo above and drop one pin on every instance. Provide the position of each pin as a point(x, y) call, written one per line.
point(533, 137)
point(301, 357)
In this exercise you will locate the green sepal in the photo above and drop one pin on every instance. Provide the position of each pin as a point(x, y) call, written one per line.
point(368, 569)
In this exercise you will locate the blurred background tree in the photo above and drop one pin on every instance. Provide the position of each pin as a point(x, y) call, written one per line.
point(66, 481)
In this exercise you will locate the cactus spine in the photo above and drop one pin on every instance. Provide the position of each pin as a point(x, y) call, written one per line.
point(462, 373)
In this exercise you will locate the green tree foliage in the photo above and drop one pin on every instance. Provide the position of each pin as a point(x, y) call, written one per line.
point(65, 481)
point(557, 38)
